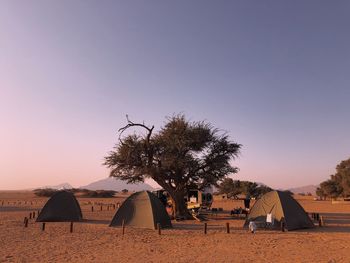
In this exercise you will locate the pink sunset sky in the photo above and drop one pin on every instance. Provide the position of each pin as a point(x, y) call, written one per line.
point(274, 76)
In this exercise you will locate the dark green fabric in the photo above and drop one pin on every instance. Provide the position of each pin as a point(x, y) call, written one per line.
point(143, 210)
point(61, 207)
point(280, 205)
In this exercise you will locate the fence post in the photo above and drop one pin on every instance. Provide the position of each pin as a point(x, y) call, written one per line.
point(205, 228)
point(159, 229)
point(228, 228)
point(283, 225)
point(71, 227)
point(43, 227)
point(123, 226)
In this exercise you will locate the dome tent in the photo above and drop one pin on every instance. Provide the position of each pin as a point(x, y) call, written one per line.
point(61, 207)
point(143, 210)
point(281, 205)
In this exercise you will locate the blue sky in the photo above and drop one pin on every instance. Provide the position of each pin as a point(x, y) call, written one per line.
point(273, 74)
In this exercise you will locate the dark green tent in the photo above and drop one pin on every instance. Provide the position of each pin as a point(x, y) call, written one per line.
point(142, 209)
point(280, 205)
point(61, 207)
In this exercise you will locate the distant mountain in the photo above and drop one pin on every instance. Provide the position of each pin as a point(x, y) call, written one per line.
point(304, 189)
point(58, 187)
point(116, 185)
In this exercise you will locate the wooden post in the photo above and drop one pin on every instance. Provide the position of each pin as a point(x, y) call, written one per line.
point(71, 227)
point(123, 226)
point(205, 228)
point(283, 226)
point(227, 227)
point(43, 227)
point(101, 207)
point(92, 208)
point(320, 221)
point(159, 229)
point(25, 222)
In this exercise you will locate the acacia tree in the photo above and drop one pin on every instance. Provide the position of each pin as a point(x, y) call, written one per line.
point(183, 155)
point(338, 184)
point(235, 187)
point(230, 187)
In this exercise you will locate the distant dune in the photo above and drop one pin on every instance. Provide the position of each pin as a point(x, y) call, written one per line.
point(116, 185)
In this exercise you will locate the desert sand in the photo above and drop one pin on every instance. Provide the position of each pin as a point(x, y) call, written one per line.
point(94, 241)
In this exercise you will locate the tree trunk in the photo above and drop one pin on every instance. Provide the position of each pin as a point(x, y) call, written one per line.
point(180, 207)
point(178, 201)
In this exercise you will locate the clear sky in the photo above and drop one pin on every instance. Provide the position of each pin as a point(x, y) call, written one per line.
point(274, 74)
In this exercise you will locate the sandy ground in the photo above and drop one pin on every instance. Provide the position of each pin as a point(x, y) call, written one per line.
point(94, 241)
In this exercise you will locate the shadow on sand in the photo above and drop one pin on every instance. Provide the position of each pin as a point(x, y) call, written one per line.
point(96, 222)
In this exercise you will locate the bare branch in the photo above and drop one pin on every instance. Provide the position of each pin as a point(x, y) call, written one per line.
point(132, 124)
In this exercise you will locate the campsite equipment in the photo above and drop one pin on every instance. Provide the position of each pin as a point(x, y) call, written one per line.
point(143, 210)
point(61, 207)
point(280, 205)
point(195, 199)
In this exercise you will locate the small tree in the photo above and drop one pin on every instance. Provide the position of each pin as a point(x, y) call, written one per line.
point(338, 184)
point(181, 156)
point(330, 188)
point(320, 193)
point(230, 187)
point(235, 187)
point(342, 177)
point(250, 188)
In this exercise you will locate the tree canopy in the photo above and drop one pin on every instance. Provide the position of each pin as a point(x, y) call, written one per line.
point(233, 188)
point(182, 155)
point(339, 184)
